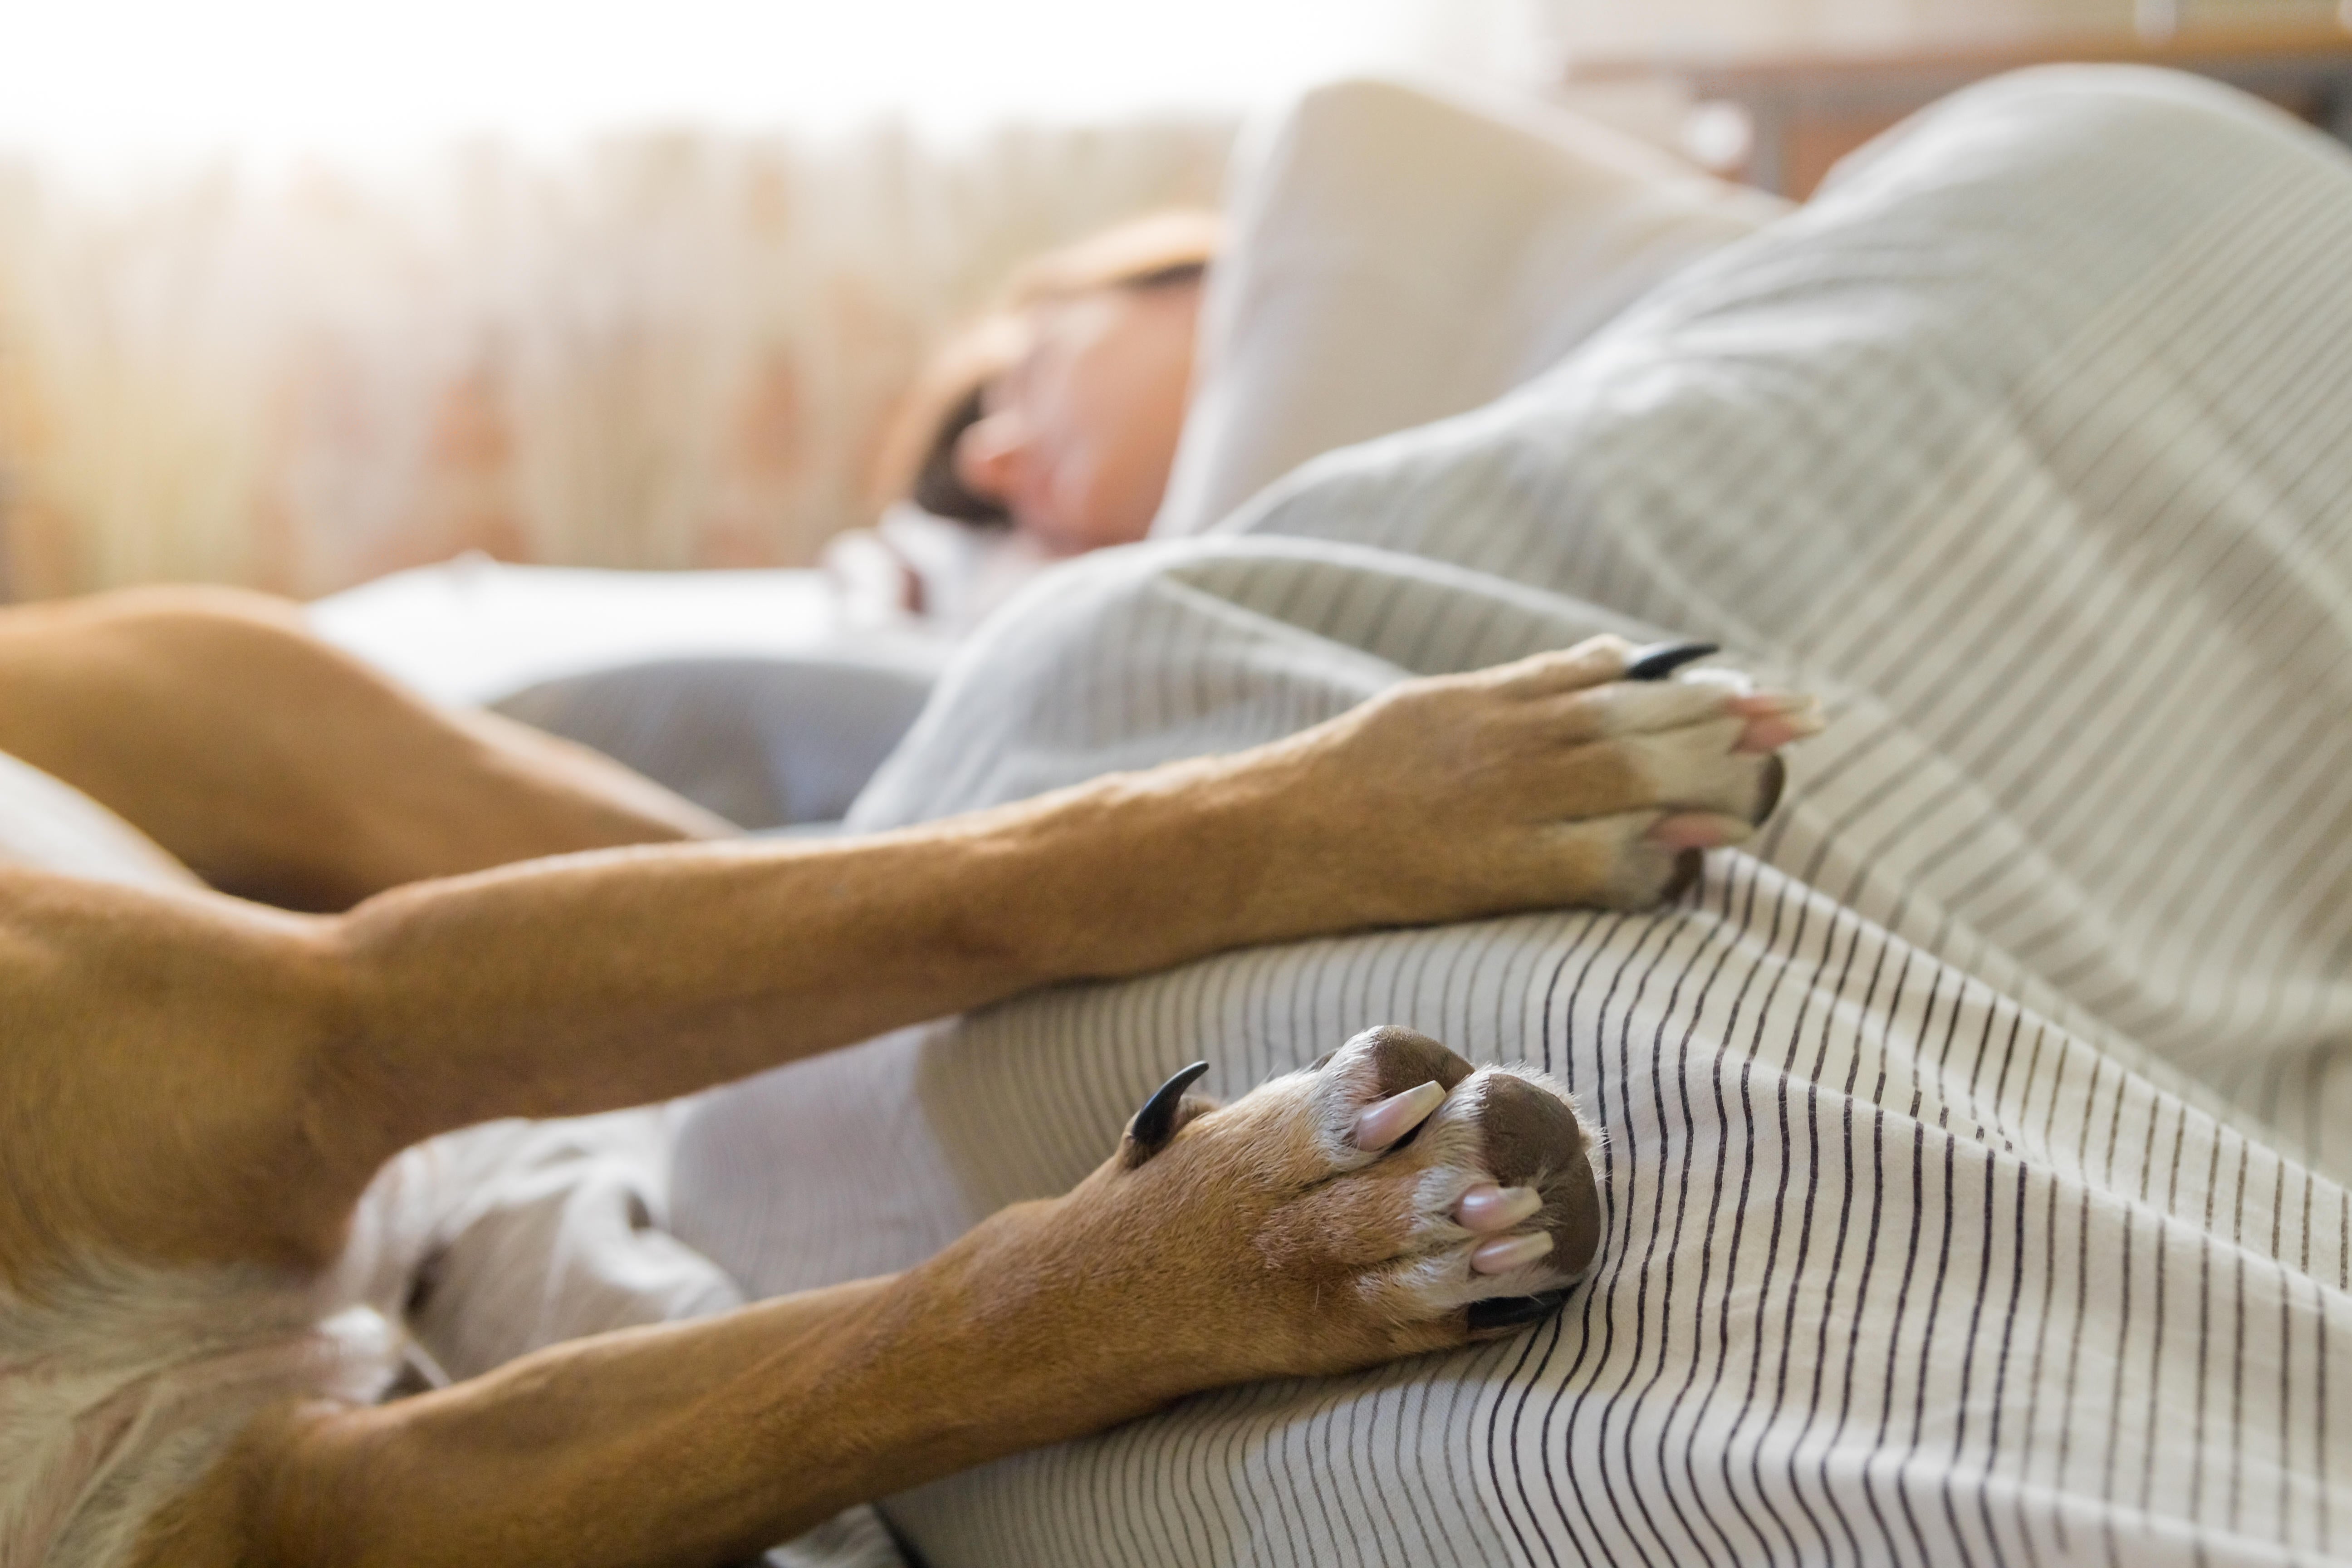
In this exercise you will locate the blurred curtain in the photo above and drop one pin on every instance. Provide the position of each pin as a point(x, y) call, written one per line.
point(667, 352)
point(1610, 26)
point(662, 351)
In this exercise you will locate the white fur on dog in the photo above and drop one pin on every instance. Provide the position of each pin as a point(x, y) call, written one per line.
point(120, 1385)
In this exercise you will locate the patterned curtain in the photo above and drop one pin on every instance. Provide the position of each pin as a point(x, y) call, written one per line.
point(663, 352)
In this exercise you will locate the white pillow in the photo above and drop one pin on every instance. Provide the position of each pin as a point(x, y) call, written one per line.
point(1398, 257)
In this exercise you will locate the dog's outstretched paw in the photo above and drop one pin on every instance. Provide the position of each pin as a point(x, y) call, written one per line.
point(1485, 1176)
point(1388, 1200)
point(1596, 776)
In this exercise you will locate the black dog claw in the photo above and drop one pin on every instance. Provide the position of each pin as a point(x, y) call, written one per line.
point(1511, 1311)
point(1156, 1122)
point(1776, 777)
point(1659, 660)
point(1690, 866)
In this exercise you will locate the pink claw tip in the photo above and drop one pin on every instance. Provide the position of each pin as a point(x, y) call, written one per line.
point(1491, 1208)
point(1771, 704)
point(1382, 1124)
point(1691, 832)
point(1510, 1252)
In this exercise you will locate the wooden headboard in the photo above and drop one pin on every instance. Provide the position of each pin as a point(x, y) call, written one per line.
point(1804, 112)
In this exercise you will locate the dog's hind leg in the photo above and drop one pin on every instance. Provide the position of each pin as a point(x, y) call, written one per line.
point(280, 768)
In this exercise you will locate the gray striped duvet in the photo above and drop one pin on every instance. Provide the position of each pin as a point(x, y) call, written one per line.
point(1973, 1146)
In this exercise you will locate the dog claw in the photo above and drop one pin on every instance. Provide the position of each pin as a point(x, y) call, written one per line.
point(1659, 660)
point(1156, 1122)
point(1487, 1209)
point(1776, 776)
point(1688, 864)
point(1511, 1311)
point(1383, 1125)
point(1510, 1252)
point(1694, 830)
point(1770, 731)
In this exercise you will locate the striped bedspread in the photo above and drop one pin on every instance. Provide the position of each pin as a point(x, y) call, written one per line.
point(1973, 1147)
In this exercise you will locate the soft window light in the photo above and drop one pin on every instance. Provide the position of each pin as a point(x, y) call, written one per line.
point(112, 77)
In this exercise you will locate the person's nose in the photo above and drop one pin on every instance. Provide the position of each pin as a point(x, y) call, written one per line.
point(990, 454)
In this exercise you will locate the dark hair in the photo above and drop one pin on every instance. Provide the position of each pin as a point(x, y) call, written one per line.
point(917, 458)
point(936, 488)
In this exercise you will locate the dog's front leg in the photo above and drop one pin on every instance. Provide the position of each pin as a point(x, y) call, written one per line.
point(1388, 1201)
point(706, 1442)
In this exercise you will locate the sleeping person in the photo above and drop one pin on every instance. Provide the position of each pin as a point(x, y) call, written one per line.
point(1057, 415)
point(1393, 256)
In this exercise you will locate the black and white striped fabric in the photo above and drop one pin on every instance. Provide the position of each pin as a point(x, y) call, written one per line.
point(1973, 1147)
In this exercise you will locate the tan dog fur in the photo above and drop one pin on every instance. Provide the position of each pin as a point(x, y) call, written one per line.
point(191, 1080)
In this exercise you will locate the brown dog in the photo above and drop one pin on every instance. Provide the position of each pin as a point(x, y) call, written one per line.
point(196, 1091)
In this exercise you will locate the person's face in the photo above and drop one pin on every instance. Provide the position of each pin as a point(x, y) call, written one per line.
point(1077, 439)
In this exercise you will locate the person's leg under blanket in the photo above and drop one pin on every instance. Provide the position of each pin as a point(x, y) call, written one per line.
point(1914, 1252)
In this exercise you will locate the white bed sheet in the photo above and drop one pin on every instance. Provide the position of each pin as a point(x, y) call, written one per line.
point(471, 630)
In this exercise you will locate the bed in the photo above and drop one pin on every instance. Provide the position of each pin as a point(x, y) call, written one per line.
point(1974, 1145)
